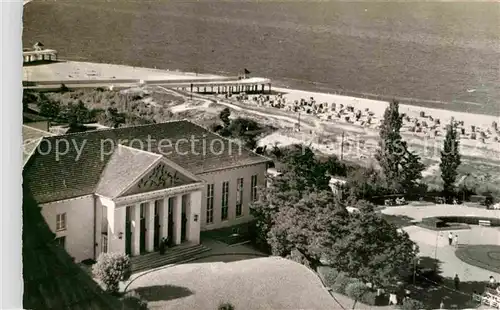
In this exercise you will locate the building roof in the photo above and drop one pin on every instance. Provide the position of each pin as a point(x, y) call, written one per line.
point(30, 117)
point(51, 279)
point(31, 139)
point(71, 165)
point(117, 176)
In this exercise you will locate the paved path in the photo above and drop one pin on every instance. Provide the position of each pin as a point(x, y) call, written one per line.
point(434, 244)
point(259, 283)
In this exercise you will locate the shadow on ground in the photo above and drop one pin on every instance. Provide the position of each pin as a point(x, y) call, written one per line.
point(431, 288)
point(163, 292)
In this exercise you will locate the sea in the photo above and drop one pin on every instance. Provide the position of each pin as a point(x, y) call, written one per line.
point(435, 54)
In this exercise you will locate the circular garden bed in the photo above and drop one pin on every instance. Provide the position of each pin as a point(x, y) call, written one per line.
point(484, 256)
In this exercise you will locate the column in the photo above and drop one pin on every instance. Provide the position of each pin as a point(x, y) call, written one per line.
point(117, 229)
point(262, 88)
point(150, 226)
point(189, 216)
point(194, 212)
point(163, 213)
point(136, 229)
point(177, 213)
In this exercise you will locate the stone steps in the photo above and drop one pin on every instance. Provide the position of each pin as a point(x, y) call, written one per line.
point(173, 255)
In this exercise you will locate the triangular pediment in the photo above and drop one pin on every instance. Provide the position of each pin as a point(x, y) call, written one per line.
point(161, 176)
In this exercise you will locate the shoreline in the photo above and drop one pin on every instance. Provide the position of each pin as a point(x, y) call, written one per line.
point(473, 108)
point(321, 130)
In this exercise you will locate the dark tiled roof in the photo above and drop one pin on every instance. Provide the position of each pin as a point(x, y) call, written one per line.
point(51, 279)
point(31, 139)
point(125, 165)
point(30, 117)
point(68, 173)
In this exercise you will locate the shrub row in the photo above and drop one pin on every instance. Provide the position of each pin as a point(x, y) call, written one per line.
point(338, 281)
point(440, 221)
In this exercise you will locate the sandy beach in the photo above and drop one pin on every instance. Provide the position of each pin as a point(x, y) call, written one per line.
point(322, 128)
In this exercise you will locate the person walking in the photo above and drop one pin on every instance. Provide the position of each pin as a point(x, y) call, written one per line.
point(450, 238)
point(456, 240)
point(441, 305)
point(456, 280)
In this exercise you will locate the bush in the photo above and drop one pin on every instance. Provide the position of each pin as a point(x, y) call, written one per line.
point(341, 283)
point(370, 298)
point(356, 290)
point(226, 306)
point(133, 301)
point(412, 304)
point(328, 275)
point(110, 268)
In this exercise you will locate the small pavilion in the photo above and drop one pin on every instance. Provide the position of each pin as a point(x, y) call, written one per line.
point(39, 53)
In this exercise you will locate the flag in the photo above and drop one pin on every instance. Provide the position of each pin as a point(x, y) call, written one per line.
point(246, 71)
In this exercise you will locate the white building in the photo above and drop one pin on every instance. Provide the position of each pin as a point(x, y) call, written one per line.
point(122, 190)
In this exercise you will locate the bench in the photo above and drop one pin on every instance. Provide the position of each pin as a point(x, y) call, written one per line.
point(484, 223)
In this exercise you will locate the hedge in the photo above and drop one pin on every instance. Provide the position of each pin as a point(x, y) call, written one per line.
point(338, 281)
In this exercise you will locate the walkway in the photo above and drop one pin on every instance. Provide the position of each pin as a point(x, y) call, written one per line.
point(434, 244)
point(258, 283)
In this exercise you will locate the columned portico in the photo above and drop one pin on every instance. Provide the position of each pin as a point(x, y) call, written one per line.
point(174, 216)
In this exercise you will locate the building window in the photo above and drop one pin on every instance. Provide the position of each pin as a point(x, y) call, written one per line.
point(210, 203)
point(61, 241)
point(225, 201)
point(104, 243)
point(239, 196)
point(253, 188)
point(61, 222)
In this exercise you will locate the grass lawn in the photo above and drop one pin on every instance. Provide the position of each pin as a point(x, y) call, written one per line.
point(482, 256)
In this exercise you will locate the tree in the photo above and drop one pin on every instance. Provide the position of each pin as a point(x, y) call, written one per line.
point(110, 268)
point(365, 183)
point(373, 250)
point(356, 290)
point(224, 116)
point(115, 117)
point(76, 114)
point(392, 146)
point(49, 108)
point(308, 223)
point(401, 168)
point(450, 160)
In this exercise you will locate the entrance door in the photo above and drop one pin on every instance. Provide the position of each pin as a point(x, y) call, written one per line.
point(156, 241)
point(128, 232)
point(183, 227)
point(143, 230)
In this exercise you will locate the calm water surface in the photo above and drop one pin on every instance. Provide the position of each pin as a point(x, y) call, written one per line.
point(447, 51)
